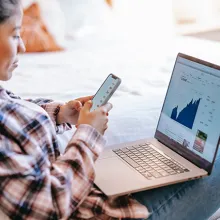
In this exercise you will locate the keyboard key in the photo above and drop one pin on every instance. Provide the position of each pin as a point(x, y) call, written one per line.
point(142, 164)
point(155, 174)
point(148, 169)
point(144, 144)
point(115, 150)
point(164, 173)
point(136, 146)
point(149, 163)
point(142, 171)
point(150, 178)
point(131, 162)
point(139, 168)
point(123, 155)
point(130, 148)
point(158, 169)
point(172, 172)
point(147, 174)
point(125, 150)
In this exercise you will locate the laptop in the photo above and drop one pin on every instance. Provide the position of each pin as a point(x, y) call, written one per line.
point(186, 138)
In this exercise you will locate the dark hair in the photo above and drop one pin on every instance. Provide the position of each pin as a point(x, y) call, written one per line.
point(7, 8)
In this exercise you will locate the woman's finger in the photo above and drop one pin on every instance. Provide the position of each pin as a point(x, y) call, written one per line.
point(75, 104)
point(83, 100)
point(106, 108)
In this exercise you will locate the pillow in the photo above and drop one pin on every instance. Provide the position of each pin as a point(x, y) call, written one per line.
point(37, 36)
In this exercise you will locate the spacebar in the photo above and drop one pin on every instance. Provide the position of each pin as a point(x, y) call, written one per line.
point(131, 162)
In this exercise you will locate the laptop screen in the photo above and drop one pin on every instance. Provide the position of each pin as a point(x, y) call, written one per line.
point(190, 118)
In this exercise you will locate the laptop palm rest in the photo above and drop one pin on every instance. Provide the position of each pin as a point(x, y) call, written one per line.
point(114, 176)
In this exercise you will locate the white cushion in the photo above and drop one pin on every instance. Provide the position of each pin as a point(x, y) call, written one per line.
point(84, 16)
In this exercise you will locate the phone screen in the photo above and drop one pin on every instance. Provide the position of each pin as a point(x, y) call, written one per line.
point(105, 91)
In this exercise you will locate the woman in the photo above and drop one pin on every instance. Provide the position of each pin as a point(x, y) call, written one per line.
point(36, 182)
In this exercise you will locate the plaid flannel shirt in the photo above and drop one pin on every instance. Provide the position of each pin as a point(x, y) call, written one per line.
point(37, 182)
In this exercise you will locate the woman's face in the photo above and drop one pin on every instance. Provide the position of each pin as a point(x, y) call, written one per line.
point(10, 44)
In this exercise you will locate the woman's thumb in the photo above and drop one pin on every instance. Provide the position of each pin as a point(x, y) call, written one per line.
point(87, 106)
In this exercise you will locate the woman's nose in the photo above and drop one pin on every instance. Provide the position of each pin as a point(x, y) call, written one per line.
point(21, 46)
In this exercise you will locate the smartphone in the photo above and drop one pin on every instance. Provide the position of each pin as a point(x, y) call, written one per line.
point(106, 90)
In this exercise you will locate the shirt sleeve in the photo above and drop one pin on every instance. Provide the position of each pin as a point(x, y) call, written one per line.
point(36, 182)
point(51, 107)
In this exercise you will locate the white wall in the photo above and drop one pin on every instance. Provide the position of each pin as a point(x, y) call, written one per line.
point(201, 11)
point(151, 17)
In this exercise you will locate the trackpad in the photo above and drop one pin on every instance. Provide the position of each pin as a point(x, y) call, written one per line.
point(114, 175)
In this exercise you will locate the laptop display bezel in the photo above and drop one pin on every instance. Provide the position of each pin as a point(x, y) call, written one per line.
point(175, 146)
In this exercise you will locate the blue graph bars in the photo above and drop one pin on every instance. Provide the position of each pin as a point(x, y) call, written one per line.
point(187, 116)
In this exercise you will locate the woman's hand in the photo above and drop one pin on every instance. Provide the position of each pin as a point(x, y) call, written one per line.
point(69, 112)
point(97, 119)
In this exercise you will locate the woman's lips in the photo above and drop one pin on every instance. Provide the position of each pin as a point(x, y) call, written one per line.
point(15, 64)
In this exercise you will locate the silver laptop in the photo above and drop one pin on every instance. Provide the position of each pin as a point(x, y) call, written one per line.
point(186, 139)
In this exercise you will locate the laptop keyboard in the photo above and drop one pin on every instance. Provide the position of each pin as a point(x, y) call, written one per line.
point(149, 162)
